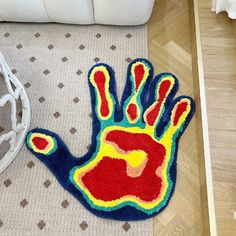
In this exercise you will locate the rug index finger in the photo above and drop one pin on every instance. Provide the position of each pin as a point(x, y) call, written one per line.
point(100, 78)
point(139, 74)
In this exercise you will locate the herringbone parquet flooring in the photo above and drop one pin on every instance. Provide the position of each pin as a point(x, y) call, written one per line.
point(170, 51)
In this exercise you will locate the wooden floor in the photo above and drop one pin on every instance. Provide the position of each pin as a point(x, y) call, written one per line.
point(218, 34)
point(170, 51)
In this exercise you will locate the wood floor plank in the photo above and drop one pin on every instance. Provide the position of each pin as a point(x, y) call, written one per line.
point(170, 51)
point(219, 57)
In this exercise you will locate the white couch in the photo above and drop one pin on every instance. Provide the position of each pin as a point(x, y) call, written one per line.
point(115, 12)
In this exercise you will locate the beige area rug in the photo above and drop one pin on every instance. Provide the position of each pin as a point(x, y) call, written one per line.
point(52, 62)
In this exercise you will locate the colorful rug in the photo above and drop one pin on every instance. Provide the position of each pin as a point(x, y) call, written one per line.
point(52, 61)
point(129, 171)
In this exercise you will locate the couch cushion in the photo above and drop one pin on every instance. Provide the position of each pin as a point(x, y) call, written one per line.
point(23, 11)
point(114, 12)
point(63, 11)
point(122, 12)
point(70, 11)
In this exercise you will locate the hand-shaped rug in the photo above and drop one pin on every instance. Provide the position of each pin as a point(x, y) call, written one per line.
point(129, 173)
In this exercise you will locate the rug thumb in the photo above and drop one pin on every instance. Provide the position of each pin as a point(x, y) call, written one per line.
point(51, 150)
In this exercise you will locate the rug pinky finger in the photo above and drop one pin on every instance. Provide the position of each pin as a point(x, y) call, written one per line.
point(179, 115)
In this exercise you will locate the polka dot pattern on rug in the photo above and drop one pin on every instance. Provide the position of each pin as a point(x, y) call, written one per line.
point(52, 62)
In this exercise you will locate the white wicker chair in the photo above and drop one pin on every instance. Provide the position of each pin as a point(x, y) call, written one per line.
point(16, 136)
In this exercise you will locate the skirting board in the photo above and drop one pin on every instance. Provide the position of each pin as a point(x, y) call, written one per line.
point(200, 87)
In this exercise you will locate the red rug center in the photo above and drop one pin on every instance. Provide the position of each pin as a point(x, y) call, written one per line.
point(109, 180)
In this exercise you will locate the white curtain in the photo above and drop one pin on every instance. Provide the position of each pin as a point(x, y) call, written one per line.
point(225, 5)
